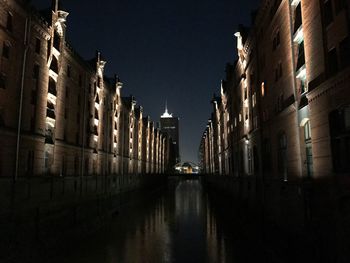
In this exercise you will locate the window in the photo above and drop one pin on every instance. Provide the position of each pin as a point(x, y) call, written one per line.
point(302, 86)
point(278, 71)
point(274, 8)
point(280, 101)
point(6, 50)
point(339, 123)
point(301, 56)
point(307, 131)
point(56, 41)
point(298, 18)
point(9, 25)
point(332, 62)
point(54, 64)
point(2, 81)
point(344, 49)
point(52, 87)
point(254, 99)
point(328, 12)
point(37, 45)
point(276, 40)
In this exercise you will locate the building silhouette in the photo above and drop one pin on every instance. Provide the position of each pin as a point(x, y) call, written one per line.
point(170, 126)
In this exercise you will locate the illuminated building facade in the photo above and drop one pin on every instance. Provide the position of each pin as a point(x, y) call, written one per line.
point(59, 114)
point(282, 120)
point(272, 116)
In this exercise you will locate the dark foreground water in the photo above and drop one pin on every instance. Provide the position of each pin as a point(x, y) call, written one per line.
point(179, 224)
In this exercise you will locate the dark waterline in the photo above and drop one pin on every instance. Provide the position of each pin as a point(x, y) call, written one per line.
point(176, 225)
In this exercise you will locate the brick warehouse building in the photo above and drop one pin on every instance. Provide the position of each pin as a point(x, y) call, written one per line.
point(59, 114)
point(281, 126)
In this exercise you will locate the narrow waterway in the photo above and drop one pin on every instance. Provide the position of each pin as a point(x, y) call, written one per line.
point(178, 224)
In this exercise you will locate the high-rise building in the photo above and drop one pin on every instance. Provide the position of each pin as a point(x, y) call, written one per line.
point(170, 125)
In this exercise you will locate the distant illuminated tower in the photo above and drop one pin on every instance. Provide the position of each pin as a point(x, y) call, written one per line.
point(170, 125)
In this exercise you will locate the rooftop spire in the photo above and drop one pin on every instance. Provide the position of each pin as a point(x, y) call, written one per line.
point(166, 113)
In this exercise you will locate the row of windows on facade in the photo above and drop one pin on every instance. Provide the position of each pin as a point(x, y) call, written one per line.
point(329, 14)
point(36, 68)
point(340, 141)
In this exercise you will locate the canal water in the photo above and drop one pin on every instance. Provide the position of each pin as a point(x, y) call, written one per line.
point(182, 223)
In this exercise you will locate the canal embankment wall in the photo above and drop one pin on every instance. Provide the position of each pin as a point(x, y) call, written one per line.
point(309, 220)
point(41, 213)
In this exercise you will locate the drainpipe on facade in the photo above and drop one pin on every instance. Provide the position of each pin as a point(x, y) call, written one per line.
point(83, 147)
point(24, 62)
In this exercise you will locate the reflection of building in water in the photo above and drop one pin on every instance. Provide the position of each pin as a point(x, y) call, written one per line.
point(190, 214)
point(146, 236)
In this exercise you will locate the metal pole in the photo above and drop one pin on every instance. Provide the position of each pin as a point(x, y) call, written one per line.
point(83, 146)
point(26, 46)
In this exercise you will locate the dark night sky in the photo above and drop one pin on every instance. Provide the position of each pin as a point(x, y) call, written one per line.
point(162, 50)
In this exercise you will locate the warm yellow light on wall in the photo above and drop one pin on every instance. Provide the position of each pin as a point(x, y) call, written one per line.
point(263, 89)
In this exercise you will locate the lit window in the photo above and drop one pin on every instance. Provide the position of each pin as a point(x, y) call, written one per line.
point(6, 50)
point(307, 131)
point(263, 89)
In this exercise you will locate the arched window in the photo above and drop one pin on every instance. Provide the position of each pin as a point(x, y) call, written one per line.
point(307, 131)
point(50, 112)
point(57, 41)
point(308, 146)
point(52, 87)
point(54, 64)
point(282, 156)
